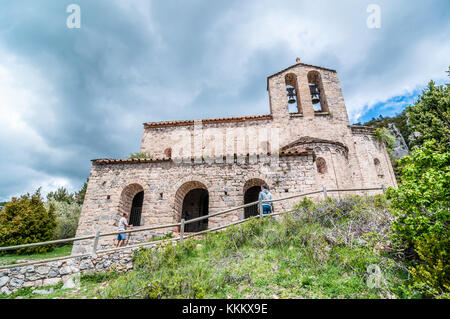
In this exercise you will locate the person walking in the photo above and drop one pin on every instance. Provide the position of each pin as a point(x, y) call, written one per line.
point(123, 224)
point(264, 195)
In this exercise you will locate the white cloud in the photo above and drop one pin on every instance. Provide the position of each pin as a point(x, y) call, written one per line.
point(24, 95)
point(66, 97)
point(335, 35)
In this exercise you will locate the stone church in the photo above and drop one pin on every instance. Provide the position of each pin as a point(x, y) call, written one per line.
point(196, 167)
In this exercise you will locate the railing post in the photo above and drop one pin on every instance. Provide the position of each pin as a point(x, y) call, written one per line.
point(94, 248)
point(383, 188)
point(260, 208)
point(324, 192)
point(182, 230)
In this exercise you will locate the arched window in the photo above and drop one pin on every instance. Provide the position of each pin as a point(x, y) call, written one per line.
point(321, 166)
point(292, 93)
point(317, 92)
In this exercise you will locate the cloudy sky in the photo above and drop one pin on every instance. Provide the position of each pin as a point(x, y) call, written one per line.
point(70, 95)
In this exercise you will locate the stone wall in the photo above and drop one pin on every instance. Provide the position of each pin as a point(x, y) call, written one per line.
point(165, 184)
point(53, 272)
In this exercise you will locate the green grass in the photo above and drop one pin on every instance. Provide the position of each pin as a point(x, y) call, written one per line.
point(305, 255)
point(298, 257)
point(62, 251)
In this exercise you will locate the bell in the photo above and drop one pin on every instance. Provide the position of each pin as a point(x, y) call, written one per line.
point(315, 93)
point(291, 95)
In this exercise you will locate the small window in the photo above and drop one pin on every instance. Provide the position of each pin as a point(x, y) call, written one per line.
point(321, 166)
point(168, 152)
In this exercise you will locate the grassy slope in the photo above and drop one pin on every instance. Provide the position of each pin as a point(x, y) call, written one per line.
point(321, 251)
point(57, 252)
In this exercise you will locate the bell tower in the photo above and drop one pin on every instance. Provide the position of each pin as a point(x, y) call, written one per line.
point(306, 91)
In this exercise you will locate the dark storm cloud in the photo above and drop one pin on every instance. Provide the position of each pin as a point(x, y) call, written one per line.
point(71, 95)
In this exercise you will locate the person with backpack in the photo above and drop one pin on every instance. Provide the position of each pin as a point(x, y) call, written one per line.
point(267, 207)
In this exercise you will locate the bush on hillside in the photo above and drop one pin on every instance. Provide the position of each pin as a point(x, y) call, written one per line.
point(421, 203)
point(25, 220)
point(67, 216)
point(383, 135)
point(421, 207)
point(432, 275)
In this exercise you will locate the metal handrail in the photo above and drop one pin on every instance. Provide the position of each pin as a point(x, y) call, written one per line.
point(98, 235)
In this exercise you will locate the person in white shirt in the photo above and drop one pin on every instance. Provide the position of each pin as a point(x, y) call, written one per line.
point(123, 224)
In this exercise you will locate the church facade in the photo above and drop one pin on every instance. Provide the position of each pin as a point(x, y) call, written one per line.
point(196, 167)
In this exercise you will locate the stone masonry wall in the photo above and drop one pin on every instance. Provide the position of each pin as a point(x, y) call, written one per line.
point(162, 182)
point(51, 273)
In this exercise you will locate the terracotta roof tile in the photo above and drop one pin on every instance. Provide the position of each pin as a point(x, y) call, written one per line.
point(129, 160)
point(209, 121)
point(362, 129)
point(104, 161)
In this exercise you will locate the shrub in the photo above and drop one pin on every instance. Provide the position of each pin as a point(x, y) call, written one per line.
point(421, 202)
point(432, 275)
point(140, 155)
point(24, 221)
point(421, 207)
point(61, 195)
point(385, 136)
point(67, 215)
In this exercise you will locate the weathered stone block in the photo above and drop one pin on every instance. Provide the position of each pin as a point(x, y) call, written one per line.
point(51, 281)
point(16, 283)
point(43, 270)
point(4, 280)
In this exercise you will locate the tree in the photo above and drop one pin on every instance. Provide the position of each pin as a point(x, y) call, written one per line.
point(421, 209)
point(429, 118)
point(25, 220)
point(421, 203)
point(67, 216)
point(61, 195)
point(79, 196)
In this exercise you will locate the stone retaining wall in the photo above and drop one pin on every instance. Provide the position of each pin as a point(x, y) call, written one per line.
point(51, 273)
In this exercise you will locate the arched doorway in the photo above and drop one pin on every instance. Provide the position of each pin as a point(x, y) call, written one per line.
point(251, 193)
point(196, 204)
point(131, 202)
point(136, 209)
point(192, 201)
point(250, 196)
